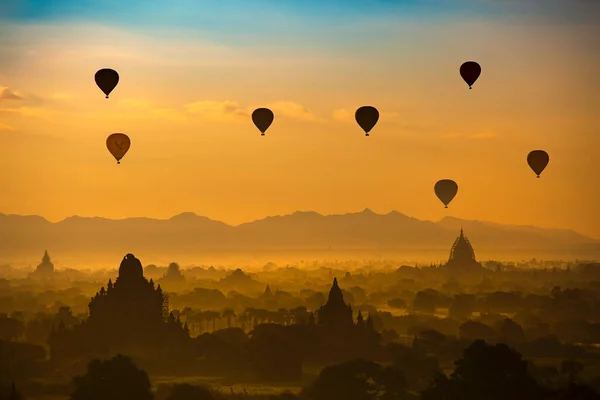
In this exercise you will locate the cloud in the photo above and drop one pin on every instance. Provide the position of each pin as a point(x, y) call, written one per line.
point(217, 110)
point(227, 111)
point(14, 103)
point(170, 114)
point(135, 103)
point(26, 112)
point(292, 110)
point(141, 113)
point(342, 115)
point(232, 111)
point(8, 94)
point(6, 127)
point(144, 108)
point(62, 96)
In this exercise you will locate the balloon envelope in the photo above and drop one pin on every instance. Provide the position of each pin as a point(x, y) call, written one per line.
point(106, 79)
point(367, 117)
point(263, 118)
point(118, 145)
point(470, 72)
point(538, 160)
point(445, 190)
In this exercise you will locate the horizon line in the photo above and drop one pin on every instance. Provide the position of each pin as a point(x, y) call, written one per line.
point(365, 210)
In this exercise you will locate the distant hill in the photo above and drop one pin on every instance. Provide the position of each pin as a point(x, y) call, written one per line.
point(301, 230)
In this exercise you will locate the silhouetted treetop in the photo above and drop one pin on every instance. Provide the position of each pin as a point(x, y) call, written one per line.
point(117, 379)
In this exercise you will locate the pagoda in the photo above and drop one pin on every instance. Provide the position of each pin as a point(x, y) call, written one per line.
point(130, 316)
point(335, 313)
point(462, 261)
point(45, 269)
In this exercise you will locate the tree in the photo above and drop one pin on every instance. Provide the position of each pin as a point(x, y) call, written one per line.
point(510, 331)
point(576, 392)
point(417, 367)
point(491, 372)
point(10, 328)
point(65, 315)
point(211, 316)
point(358, 380)
point(299, 315)
point(228, 313)
point(275, 353)
point(556, 292)
point(463, 306)
point(571, 368)
point(315, 300)
point(397, 303)
point(429, 341)
point(425, 302)
point(545, 374)
point(473, 330)
point(117, 379)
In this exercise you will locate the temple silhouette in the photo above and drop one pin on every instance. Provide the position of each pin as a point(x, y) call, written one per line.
point(173, 276)
point(340, 336)
point(462, 264)
point(335, 313)
point(462, 253)
point(45, 269)
point(129, 317)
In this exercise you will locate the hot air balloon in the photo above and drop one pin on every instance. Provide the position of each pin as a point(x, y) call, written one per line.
point(538, 160)
point(118, 145)
point(446, 190)
point(470, 72)
point(263, 118)
point(106, 79)
point(367, 117)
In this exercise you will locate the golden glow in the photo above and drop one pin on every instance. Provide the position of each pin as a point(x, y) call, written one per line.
point(186, 107)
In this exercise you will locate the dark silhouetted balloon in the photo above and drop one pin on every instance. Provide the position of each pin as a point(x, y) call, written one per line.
point(263, 118)
point(470, 72)
point(106, 79)
point(538, 160)
point(118, 144)
point(367, 118)
point(446, 190)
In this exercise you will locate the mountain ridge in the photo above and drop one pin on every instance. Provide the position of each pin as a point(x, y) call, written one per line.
point(299, 230)
point(188, 215)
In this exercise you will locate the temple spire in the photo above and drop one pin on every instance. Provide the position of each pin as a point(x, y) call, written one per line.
point(46, 258)
point(335, 294)
point(335, 312)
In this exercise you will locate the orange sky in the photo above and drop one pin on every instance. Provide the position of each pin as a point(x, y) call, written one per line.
point(185, 105)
